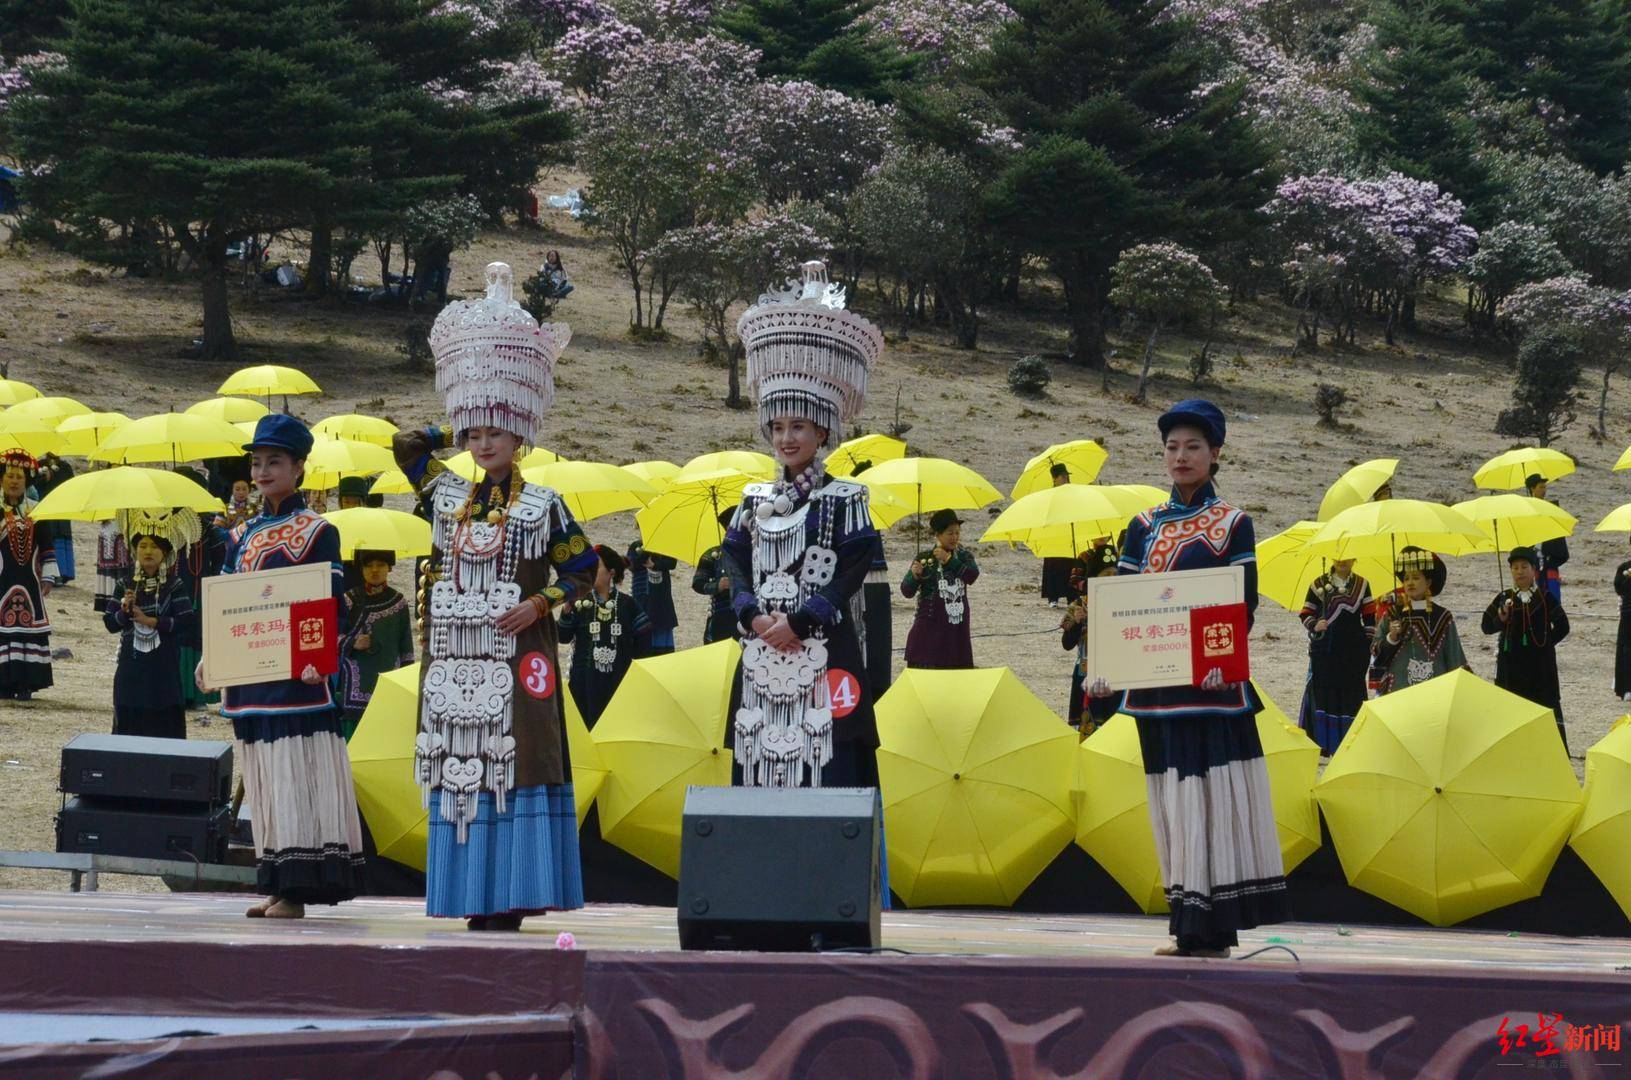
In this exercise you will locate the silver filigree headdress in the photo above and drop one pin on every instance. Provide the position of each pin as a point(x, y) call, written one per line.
point(179, 528)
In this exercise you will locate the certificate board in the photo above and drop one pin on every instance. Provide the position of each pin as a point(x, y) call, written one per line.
point(1138, 624)
point(247, 631)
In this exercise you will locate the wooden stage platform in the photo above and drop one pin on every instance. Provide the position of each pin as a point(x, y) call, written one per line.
point(978, 994)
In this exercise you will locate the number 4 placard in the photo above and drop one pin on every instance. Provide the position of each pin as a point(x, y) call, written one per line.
point(843, 691)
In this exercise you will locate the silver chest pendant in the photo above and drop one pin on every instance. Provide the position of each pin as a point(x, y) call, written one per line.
point(954, 595)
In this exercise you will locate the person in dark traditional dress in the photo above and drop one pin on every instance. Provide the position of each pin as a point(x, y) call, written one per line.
point(113, 565)
point(877, 625)
point(1210, 805)
point(241, 498)
point(1056, 570)
point(1551, 554)
point(52, 473)
point(297, 776)
point(651, 583)
point(1530, 624)
point(800, 548)
point(1340, 617)
point(1622, 644)
point(154, 611)
point(711, 580)
point(378, 636)
point(28, 566)
point(608, 633)
point(940, 636)
point(1099, 561)
point(201, 557)
point(1416, 639)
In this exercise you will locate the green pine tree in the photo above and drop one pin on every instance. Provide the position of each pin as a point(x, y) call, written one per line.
point(817, 40)
point(27, 26)
point(1120, 145)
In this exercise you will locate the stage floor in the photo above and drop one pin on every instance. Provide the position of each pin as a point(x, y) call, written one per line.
point(373, 922)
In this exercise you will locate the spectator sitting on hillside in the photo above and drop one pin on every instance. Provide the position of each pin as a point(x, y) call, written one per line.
point(554, 273)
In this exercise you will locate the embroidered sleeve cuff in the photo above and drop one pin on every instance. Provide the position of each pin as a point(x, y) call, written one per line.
point(817, 609)
point(802, 622)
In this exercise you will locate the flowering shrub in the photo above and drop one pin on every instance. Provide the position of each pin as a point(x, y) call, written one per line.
point(1509, 255)
point(586, 55)
point(1162, 283)
point(944, 33)
point(1599, 318)
point(808, 142)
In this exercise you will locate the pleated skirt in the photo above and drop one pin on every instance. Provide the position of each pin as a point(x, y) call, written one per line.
point(523, 861)
point(1213, 818)
point(297, 780)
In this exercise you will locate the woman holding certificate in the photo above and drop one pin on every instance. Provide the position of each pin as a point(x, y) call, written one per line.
point(1208, 785)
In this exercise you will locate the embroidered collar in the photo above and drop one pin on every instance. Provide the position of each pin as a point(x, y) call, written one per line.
point(1204, 494)
point(271, 511)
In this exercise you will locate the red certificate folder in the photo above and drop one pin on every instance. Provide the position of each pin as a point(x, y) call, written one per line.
point(1217, 639)
point(314, 636)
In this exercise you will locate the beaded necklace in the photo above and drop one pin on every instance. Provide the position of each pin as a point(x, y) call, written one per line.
point(18, 534)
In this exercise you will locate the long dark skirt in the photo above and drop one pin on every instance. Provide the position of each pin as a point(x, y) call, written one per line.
point(1213, 818)
point(1056, 578)
point(1622, 657)
point(164, 722)
point(1333, 696)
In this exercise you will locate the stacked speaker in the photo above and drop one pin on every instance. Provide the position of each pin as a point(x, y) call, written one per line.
point(146, 798)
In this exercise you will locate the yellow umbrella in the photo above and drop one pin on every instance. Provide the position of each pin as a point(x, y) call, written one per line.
point(659, 474)
point(1083, 457)
point(588, 770)
point(463, 464)
point(356, 428)
point(975, 772)
point(870, 448)
point(1617, 520)
point(55, 409)
point(381, 752)
point(15, 392)
point(1113, 819)
point(592, 489)
point(1058, 522)
point(1358, 485)
point(1602, 836)
point(1509, 520)
point(1509, 470)
point(1293, 761)
point(377, 529)
point(170, 437)
point(758, 466)
point(663, 731)
point(391, 482)
point(1624, 461)
point(1450, 798)
point(99, 495)
point(264, 380)
point(1286, 569)
point(84, 433)
point(234, 410)
point(683, 522)
point(246, 428)
point(332, 460)
point(32, 434)
point(1381, 528)
point(928, 484)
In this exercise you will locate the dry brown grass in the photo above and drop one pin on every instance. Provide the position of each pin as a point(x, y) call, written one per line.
point(1430, 401)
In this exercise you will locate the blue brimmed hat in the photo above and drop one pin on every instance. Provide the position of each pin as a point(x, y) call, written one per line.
point(1197, 412)
point(281, 432)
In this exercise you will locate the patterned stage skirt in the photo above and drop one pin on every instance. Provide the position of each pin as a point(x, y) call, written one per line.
point(297, 780)
point(523, 861)
point(25, 661)
point(1215, 838)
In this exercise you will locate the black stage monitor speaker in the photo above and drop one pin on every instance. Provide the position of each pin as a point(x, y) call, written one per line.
point(144, 830)
point(776, 869)
point(135, 767)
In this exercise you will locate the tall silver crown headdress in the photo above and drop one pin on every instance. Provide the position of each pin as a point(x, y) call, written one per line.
point(807, 356)
point(494, 364)
point(180, 527)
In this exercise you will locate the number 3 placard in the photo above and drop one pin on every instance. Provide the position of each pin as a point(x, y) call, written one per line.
point(844, 692)
point(536, 675)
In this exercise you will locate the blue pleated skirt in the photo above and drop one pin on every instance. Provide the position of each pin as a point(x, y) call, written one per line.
point(523, 861)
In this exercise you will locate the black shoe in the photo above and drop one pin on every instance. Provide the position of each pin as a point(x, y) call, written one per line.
point(476, 922)
point(507, 922)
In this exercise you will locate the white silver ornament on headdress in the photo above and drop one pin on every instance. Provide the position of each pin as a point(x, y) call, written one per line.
point(179, 528)
point(494, 364)
point(807, 356)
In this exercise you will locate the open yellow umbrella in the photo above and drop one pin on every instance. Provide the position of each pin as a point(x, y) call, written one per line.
point(1358, 485)
point(663, 731)
point(1293, 762)
point(588, 769)
point(391, 482)
point(264, 380)
point(234, 410)
point(592, 489)
point(1511, 469)
point(99, 495)
point(355, 427)
point(1380, 529)
point(1509, 519)
point(381, 752)
point(1450, 798)
point(332, 460)
point(754, 464)
point(925, 485)
point(1624, 460)
point(1083, 457)
point(866, 448)
point(55, 409)
point(1058, 522)
point(1617, 520)
point(683, 522)
point(378, 529)
point(170, 437)
point(1113, 818)
point(463, 464)
point(84, 433)
point(1287, 569)
point(659, 474)
point(15, 392)
point(34, 435)
point(1602, 835)
point(976, 773)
